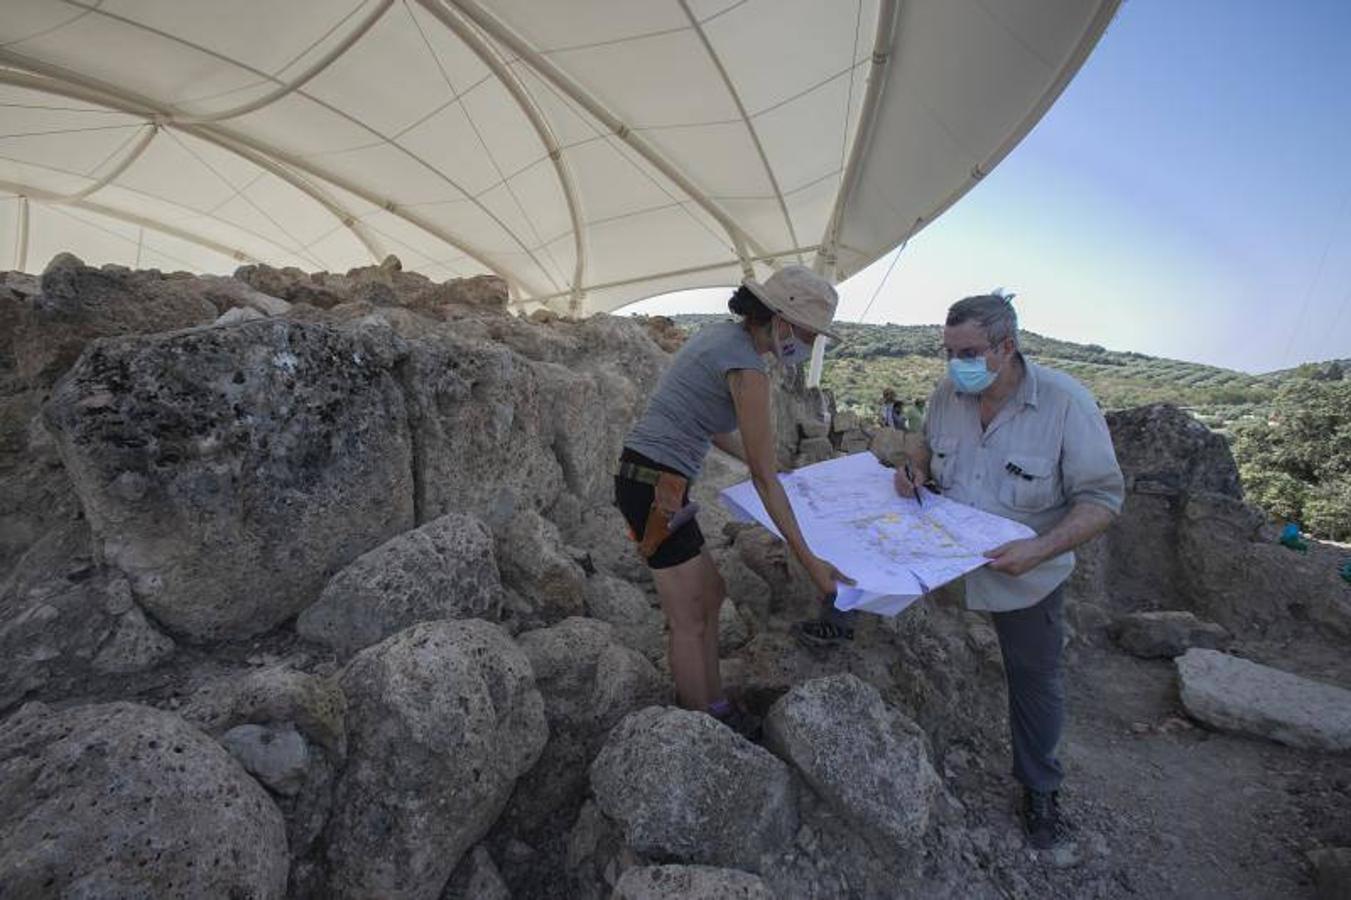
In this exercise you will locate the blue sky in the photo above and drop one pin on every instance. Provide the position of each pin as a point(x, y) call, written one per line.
point(1188, 196)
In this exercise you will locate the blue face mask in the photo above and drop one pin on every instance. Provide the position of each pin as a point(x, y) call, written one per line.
point(970, 375)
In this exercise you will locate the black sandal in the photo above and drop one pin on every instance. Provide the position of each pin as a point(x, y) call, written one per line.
point(822, 633)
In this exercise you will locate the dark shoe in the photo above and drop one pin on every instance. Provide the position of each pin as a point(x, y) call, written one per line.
point(822, 633)
point(746, 724)
point(1041, 818)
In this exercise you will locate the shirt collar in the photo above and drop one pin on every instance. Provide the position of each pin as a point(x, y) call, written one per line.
point(1027, 391)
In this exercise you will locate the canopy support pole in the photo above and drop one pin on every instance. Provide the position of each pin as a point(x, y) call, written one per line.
point(888, 15)
point(21, 243)
point(508, 79)
point(564, 82)
point(27, 193)
point(305, 77)
point(55, 80)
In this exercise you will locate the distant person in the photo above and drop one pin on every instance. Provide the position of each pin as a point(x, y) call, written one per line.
point(914, 419)
point(886, 413)
point(1027, 443)
point(717, 386)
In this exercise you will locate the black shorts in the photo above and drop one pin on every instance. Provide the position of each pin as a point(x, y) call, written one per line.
point(634, 499)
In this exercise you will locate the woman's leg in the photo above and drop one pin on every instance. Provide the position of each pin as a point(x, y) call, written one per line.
point(682, 590)
point(714, 592)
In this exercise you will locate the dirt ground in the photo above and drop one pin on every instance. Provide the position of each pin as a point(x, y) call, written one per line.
point(1161, 806)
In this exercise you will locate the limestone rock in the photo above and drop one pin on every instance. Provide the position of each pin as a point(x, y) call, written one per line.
point(79, 303)
point(588, 683)
point(443, 570)
point(868, 761)
point(682, 786)
point(1237, 695)
point(442, 719)
point(229, 471)
point(1169, 633)
point(733, 632)
point(237, 315)
point(274, 695)
point(276, 756)
point(746, 589)
point(478, 418)
point(1332, 872)
point(477, 878)
point(689, 883)
point(635, 621)
point(813, 450)
point(534, 562)
point(289, 732)
point(1163, 450)
point(65, 621)
point(162, 810)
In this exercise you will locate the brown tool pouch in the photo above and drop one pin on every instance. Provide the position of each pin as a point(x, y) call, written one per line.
point(668, 498)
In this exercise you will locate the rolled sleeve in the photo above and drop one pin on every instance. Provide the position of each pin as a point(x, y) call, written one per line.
point(1088, 466)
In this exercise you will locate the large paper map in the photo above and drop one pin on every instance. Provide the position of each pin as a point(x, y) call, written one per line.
point(896, 549)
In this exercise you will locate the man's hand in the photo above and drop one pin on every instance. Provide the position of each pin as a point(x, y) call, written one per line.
point(1017, 557)
point(909, 487)
point(825, 576)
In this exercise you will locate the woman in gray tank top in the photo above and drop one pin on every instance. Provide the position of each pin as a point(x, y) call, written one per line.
point(717, 392)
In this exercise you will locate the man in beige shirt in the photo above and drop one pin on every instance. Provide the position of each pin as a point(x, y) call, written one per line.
point(1027, 443)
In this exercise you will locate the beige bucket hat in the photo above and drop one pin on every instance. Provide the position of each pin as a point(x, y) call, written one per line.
point(800, 296)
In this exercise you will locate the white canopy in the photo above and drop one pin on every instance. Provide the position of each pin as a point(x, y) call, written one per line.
point(591, 152)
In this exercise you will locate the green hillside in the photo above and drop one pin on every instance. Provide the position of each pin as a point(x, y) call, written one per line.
point(1291, 430)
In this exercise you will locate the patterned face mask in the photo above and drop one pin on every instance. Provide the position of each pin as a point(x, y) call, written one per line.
point(792, 350)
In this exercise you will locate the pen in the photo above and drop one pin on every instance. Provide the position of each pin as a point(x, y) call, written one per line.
point(910, 476)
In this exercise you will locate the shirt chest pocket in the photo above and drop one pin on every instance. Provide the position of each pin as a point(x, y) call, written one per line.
point(943, 462)
point(1031, 483)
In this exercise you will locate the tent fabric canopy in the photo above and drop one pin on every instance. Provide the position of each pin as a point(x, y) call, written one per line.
point(591, 152)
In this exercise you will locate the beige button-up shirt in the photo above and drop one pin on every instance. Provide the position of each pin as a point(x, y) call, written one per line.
point(1047, 449)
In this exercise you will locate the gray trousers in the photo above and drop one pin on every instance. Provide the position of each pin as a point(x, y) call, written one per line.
point(1030, 641)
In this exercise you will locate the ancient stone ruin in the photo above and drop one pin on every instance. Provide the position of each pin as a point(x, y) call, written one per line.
point(311, 588)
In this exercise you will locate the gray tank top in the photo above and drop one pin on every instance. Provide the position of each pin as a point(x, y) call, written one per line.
point(692, 401)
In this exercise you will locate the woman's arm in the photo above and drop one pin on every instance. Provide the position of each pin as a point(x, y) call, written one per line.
point(730, 443)
point(750, 395)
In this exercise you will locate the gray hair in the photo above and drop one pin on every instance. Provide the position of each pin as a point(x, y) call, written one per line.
point(993, 312)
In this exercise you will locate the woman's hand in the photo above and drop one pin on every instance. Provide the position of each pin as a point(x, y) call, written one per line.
point(825, 576)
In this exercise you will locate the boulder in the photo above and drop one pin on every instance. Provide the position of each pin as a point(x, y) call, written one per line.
point(237, 315)
point(276, 755)
point(287, 728)
point(65, 621)
point(865, 759)
point(230, 471)
point(477, 878)
point(588, 683)
point(733, 632)
point(274, 695)
point(746, 589)
point(161, 809)
point(79, 303)
point(535, 563)
point(1164, 451)
point(482, 430)
point(684, 787)
point(636, 622)
point(1235, 694)
point(1332, 872)
point(443, 570)
point(1169, 633)
point(442, 719)
point(689, 883)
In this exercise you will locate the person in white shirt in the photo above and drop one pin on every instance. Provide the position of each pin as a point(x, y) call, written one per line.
point(1030, 444)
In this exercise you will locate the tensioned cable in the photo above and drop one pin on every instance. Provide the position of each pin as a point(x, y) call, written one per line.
point(1317, 277)
point(296, 242)
point(553, 276)
point(882, 283)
